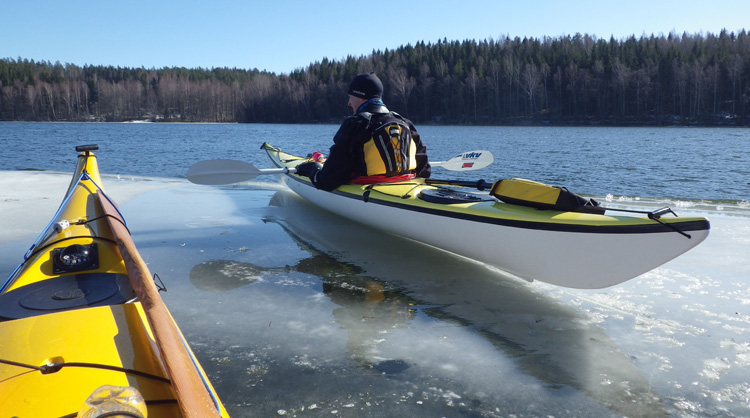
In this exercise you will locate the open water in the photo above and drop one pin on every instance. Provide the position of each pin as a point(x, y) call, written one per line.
point(679, 163)
point(296, 312)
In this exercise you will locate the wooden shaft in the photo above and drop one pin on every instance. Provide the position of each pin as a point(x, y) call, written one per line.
point(192, 395)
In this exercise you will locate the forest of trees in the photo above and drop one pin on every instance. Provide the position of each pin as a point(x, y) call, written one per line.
point(697, 79)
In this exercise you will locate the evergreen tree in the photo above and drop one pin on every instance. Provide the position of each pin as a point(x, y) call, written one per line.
point(579, 79)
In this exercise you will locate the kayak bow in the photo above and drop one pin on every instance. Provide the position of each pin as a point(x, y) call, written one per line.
point(82, 325)
point(569, 249)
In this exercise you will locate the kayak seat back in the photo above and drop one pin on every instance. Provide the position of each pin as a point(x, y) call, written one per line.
point(65, 293)
point(542, 196)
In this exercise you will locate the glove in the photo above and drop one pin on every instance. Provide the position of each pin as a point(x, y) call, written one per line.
point(309, 169)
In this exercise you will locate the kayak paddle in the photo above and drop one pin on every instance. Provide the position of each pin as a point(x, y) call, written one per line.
point(217, 172)
point(222, 171)
point(193, 397)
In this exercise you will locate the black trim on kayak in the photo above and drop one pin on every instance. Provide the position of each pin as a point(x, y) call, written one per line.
point(656, 227)
point(56, 367)
point(65, 293)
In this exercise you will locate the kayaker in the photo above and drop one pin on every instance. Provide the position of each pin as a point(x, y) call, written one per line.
point(374, 145)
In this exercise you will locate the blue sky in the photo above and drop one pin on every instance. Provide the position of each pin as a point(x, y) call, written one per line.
point(281, 36)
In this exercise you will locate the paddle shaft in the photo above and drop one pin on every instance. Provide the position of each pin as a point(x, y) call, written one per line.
point(224, 171)
point(192, 394)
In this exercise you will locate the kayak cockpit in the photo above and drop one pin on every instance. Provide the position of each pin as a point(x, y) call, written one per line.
point(64, 293)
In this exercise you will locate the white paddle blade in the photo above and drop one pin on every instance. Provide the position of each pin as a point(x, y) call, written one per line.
point(215, 172)
point(467, 161)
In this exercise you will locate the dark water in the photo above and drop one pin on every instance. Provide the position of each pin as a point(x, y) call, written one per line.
point(675, 163)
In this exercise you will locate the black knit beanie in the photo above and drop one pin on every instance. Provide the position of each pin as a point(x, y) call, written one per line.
point(366, 86)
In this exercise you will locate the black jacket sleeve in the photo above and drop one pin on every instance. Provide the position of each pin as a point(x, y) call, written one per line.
point(339, 166)
point(423, 165)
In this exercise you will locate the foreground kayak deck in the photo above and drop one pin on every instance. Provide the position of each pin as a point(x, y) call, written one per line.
point(570, 249)
point(74, 317)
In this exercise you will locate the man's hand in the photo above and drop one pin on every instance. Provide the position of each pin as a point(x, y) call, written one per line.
point(309, 169)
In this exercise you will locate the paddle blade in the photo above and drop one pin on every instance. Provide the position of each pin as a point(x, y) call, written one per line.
point(215, 172)
point(467, 161)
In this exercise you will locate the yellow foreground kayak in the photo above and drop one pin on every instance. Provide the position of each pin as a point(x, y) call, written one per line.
point(83, 331)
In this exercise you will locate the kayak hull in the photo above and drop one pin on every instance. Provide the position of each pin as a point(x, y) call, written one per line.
point(111, 336)
point(577, 250)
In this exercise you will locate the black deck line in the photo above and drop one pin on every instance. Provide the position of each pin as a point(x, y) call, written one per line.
point(655, 227)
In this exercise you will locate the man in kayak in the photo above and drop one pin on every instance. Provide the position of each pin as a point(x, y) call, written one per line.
point(374, 145)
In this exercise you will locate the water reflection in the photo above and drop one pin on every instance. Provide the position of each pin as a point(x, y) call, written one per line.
point(383, 284)
point(224, 275)
point(367, 306)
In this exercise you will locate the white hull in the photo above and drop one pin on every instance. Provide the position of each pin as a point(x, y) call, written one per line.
point(564, 258)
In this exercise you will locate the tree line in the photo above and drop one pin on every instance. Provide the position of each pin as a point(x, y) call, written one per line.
point(672, 79)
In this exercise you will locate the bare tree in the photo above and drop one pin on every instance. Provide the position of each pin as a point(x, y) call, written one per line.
point(696, 72)
point(571, 76)
point(31, 94)
point(621, 75)
point(511, 70)
point(680, 85)
point(734, 68)
point(471, 81)
point(530, 81)
point(401, 85)
point(495, 81)
point(545, 72)
point(425, 85)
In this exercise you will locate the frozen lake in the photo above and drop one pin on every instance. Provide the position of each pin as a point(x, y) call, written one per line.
point(295, 312)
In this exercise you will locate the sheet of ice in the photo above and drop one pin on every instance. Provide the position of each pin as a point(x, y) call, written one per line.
point(29, 199)
point(295, 312)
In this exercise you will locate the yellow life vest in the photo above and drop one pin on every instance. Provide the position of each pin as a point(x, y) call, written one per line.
point(390, 150)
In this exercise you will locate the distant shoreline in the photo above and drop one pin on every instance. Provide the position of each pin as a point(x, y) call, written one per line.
point(569, 80)
point(665, 122)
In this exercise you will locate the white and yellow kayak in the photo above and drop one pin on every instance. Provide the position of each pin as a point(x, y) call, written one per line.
point(83, 331)
point(586, 249)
